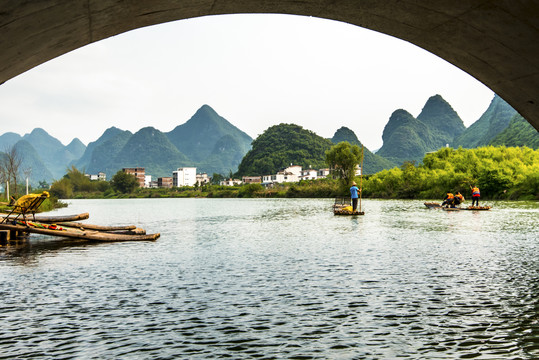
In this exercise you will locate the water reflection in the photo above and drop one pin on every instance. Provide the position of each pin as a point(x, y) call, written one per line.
point(28, 251)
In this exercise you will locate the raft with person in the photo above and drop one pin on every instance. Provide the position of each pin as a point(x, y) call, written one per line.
point(22, 221)
point(435, 205)
point(348, 205)
point(343, 206)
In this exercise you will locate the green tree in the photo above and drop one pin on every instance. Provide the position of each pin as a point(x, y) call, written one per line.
point(216, 178)
point(80, 182)
point(342, 160)
point(62, 189)
point(249, 189)
point(124, 182)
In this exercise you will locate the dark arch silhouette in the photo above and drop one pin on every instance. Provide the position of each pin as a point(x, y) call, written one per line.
point(494, 41)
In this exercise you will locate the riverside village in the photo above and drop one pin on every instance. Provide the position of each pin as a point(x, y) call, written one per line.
point(187, 176)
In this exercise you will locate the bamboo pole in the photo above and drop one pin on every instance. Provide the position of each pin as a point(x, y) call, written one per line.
point(361, 179)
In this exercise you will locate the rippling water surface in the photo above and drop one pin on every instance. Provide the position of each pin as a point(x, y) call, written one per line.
point(278, 278)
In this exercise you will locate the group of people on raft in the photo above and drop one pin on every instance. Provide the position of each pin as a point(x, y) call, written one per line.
point(452, 201)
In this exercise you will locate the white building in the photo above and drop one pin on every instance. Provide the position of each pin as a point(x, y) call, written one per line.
point(230, 182)
point(186, 176)
point(101, 176)
point(309, 174)
point(294, 170)
point(322, 173)
point(147, 181)
point(290, 174)
point(203, 179)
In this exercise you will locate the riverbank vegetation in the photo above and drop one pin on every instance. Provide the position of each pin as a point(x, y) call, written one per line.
point(500, 173)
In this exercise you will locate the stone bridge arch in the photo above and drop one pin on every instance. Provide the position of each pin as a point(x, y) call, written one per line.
point(497, 42)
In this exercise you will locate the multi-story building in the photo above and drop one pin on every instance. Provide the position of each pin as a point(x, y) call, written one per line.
point(186, 176)
point(164, 182)
point(147, 181)
point(138, 172)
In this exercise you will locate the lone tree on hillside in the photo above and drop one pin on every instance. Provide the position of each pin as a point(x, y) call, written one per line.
point(342, 160)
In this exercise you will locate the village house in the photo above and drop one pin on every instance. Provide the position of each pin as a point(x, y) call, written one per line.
point(290, 174)
point(295, 173)
point(309, 174)
point(322, 173)
point(251, 179)
point(100, 176)
point(230, 182)
point(202, 179)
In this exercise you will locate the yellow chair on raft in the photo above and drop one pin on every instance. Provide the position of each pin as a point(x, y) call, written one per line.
point(26, 204)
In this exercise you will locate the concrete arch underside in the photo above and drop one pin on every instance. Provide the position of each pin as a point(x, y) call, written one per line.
point(497, 42)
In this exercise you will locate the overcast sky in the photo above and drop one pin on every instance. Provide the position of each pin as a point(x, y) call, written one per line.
point(254, 70)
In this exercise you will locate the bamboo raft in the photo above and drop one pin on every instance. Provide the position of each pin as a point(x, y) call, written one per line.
point(342, 206)
point(435, 205)
point(63, 226)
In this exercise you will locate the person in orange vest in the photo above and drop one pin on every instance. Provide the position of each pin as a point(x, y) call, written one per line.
point(476, 194)
point(449, 199)
point(459, 199)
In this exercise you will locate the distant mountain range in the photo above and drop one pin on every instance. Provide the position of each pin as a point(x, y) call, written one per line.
point(214, 145)
point(207, 141)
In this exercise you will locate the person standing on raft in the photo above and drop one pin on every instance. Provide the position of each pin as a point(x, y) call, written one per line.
point(354, 191)
point(476, 194)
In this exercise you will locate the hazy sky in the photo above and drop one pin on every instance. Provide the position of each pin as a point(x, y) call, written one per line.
point(254, 70)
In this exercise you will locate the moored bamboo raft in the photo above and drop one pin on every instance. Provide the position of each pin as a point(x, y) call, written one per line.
point(59, 231)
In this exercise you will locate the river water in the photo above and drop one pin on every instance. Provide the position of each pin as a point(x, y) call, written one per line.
point(278, 279)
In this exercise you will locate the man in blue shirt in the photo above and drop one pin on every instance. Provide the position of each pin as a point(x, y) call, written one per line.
point(354, 194)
